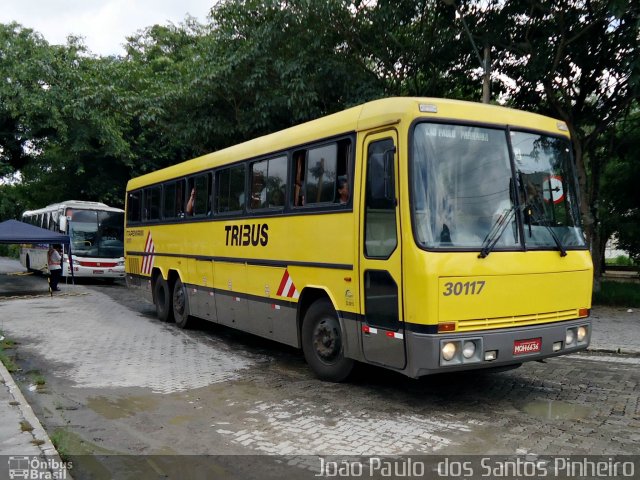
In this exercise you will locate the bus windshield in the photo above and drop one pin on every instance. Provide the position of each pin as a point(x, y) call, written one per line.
point(96, 233)
point(463, 189)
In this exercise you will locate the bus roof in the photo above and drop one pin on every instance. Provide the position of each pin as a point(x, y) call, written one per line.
point(376, 113)
point(76, 204)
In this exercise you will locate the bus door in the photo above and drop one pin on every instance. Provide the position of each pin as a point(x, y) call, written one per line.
point(382, 329)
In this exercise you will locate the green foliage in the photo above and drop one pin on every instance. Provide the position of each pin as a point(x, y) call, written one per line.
point(11, 251)
point(619, 294)
point(7, 359)
point(74, 125)
point(621, 261)
point(620, 192)
point(575, 60)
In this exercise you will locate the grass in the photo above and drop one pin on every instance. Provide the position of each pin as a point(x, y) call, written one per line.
point(618, 294)
point(61, 440)
point(621, 261)
point(8, 361)
point(37, 378)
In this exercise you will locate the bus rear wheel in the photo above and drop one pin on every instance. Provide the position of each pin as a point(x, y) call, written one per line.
point(180, 305)
point(322, 343)
point(162, 299)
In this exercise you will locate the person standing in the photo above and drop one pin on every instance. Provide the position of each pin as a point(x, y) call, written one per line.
point(54, 258)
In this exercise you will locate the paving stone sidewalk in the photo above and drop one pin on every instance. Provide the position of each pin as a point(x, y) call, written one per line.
point(615, 331)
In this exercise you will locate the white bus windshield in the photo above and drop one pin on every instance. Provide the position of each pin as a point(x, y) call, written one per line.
point(463, 187)
point(96, 233)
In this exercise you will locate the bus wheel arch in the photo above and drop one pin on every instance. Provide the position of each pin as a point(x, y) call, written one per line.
point(162, 296)
point(322, 337)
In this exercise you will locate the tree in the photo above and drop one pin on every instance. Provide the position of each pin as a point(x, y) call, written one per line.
point(411, 46)
point(575, 60)
point(28, 69)
point(620, 205)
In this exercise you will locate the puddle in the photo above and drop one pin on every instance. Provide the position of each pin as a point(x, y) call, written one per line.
point(121, 407)
point(556, 410)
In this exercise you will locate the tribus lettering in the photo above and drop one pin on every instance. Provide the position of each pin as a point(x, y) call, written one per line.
point(245, 235)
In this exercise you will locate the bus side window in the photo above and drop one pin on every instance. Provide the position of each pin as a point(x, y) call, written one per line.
point(152, 202)
point(180, 203)
point(321, 174)
point(133, 206)
point(344, 170)
point(268, 180)
point(230, 195)
point(299, 167)
point(169, 201)
point(199, 205)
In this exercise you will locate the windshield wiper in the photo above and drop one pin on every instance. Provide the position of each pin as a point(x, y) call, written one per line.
point(496, 232)
point(533, 212)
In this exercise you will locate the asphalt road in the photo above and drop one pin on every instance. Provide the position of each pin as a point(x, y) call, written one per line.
point(121, 388)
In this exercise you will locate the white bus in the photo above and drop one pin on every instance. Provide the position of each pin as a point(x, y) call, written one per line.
point(96, 231)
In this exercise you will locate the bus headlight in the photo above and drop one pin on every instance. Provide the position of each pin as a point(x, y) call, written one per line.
point(468, 349)
point(448, 351)
point(582, 333)
point(570, 338)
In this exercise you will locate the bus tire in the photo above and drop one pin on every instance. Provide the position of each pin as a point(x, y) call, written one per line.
point(322, 343)
point(180, 305)
point(162, 299)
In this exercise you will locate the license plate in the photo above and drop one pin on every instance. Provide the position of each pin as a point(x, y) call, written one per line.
point(523, 347)
point(98, 272)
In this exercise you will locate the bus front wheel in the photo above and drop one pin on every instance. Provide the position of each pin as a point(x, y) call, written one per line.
point(180, 305)
point(162, 299)
point(322, 343)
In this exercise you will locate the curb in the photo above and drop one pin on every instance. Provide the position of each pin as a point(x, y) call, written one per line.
point(38, 432)
point(619, 351)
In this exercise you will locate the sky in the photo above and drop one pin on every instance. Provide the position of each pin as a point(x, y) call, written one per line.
point(104, 24)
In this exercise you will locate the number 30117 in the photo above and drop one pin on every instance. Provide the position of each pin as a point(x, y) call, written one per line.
point(463, 288)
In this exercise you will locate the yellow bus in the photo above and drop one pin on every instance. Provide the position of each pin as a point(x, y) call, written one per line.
point(418, 234)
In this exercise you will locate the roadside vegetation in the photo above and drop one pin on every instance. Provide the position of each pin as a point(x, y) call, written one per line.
point(6, 356)
point(618, 294)
point(622, 261)
point(11, 251)
point(78, 125)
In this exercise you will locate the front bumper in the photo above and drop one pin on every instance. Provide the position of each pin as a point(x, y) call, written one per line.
point(424, 350)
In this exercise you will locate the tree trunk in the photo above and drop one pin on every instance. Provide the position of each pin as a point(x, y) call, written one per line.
point(587, 207)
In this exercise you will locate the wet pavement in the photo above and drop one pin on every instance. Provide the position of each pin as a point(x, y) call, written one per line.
point(118, 381)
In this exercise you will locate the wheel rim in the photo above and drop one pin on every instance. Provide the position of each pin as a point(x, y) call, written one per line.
point(178, 300)
point(326, 340)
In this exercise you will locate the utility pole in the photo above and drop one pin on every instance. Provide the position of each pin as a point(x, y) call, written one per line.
point(485, 64)
point(486, 81)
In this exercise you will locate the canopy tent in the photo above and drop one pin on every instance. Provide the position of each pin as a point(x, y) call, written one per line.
point(13, 231)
